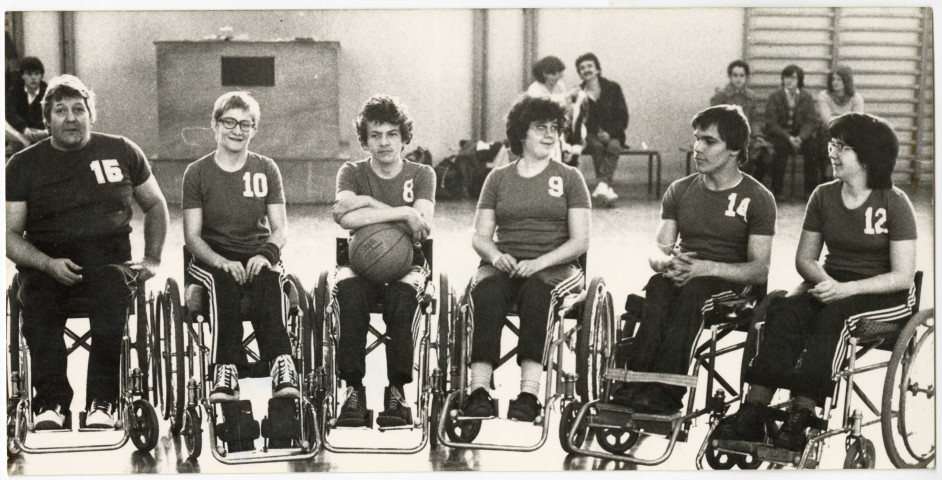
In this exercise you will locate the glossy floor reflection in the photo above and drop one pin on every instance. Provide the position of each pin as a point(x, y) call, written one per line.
point(620, 238)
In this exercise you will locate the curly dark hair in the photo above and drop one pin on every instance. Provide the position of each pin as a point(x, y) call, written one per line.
point(546, 65)
point(383, 109)
point(527, 110)
point(734, 64)
point(794, 70)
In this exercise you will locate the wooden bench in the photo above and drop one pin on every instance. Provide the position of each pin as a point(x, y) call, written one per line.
point(653, 155)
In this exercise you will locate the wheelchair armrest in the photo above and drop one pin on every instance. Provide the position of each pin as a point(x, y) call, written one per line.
point(737, 311)
point(568, 306)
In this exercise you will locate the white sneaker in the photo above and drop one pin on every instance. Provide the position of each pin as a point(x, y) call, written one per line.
point(100, 415)
point(51, 418)
point(600, 190)
point(226, 386)
point(610, 194)
point(284, 378)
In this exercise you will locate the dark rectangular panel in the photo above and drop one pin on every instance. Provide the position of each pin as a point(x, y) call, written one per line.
point(248, 71)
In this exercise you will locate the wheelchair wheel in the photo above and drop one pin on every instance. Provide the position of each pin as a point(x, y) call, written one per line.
point(908, 392)
point(594, 340)
point(616, 441)
point(444, 316)
point(464, 431)
point(720, 460)
point(144, 428)
point(860, 454)
point(192, 433)
point(142, 341)
point(156, 360)
point(13, 336)
point(567, 419)
point(751, 347)
point(174, 356)
point(302, 333)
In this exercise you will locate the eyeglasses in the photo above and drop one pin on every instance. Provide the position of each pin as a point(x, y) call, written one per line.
point(231, 123)
point(544, 129)
point(840, 148)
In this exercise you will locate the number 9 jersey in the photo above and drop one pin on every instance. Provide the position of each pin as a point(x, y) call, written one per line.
point(77, 196)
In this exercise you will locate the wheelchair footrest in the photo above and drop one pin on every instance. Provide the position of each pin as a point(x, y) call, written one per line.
point(239, 429)
point(617, 416)
point(623, 375)
point(368, 419)
point(281, 426)
point(83, 424)
point(495, 407)
point(772, 454)
point(739, 446)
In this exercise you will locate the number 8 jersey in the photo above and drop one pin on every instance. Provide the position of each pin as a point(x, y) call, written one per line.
point(234, 204)
point(858, 240)
point(77, 196)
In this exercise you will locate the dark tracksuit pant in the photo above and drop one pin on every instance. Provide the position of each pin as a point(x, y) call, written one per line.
point(108, 284)
point(803, 324)
point(260, 301)
point(492, 294)
point(400, 302)
point(671, 323)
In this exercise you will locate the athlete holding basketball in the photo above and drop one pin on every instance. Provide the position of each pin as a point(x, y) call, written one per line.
point(714, 242)
point(382, 188)
point(540, 212)
point(235, 225)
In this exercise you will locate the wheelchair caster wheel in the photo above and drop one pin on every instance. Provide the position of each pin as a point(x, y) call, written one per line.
point(860, 454)
point(143, 425)
point(616, 441)
point(720, 460)
point(566, 423)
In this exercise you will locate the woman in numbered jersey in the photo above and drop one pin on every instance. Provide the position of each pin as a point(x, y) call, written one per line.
point(235, 225)
point(869, 229)
point(531, 226)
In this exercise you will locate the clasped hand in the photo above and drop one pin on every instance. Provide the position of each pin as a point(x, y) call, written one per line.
point(506, 263)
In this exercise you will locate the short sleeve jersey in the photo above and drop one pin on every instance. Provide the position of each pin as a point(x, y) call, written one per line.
point(717, 224)
point(234, 204)
point(533, 213)
point(415, 181)
point(858, 240)
point(80, 195)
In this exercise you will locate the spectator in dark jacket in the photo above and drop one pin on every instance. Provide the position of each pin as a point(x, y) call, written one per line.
point(24, 106)
point(791, 121)
point(601, 119)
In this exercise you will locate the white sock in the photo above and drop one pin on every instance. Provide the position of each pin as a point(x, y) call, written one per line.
point(481, 373)
point(530, 372)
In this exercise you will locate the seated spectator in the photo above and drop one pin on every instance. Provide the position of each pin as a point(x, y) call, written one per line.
point(23, 106)
point(839, 98)
point(600, 120)
point(736, 92)
point(791, 122)
point(548, 73)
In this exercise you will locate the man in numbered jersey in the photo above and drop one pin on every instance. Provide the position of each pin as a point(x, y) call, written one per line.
point(382, 188)
point(69, 207)
point(714, 242)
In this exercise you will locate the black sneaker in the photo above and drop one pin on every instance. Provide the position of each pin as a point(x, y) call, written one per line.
point(524, 408)
point(792, 434)
point(748, 424)
point(100, 414)
point(226, 385)
point(51, 417)
point(397, 413)
point(354, 412)
point(284, 378)
point(478, 404)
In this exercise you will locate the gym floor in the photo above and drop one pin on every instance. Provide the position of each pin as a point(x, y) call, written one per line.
point(621, 237)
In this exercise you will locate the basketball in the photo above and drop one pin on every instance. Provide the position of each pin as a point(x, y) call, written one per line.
point(381, 252)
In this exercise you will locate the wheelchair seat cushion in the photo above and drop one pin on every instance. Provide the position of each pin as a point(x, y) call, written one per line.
point(871, 330)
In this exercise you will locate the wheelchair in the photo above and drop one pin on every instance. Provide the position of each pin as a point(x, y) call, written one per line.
point(576, 327)
point(907, 397)
point(427, 385)
point(618, 428)
point(186, 377)
point(136, 417)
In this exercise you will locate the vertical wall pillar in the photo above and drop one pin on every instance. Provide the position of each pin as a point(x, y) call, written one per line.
point(479, 74)
point(530, 43)
point(67, 29)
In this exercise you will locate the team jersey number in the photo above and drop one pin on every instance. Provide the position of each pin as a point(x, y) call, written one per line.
point(408, 192)
point(875, 228)
point(741, 210)
point(106, 171)
point(556, 186)
point(256, 185)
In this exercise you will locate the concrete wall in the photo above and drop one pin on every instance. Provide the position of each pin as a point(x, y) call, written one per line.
point(668, 61)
